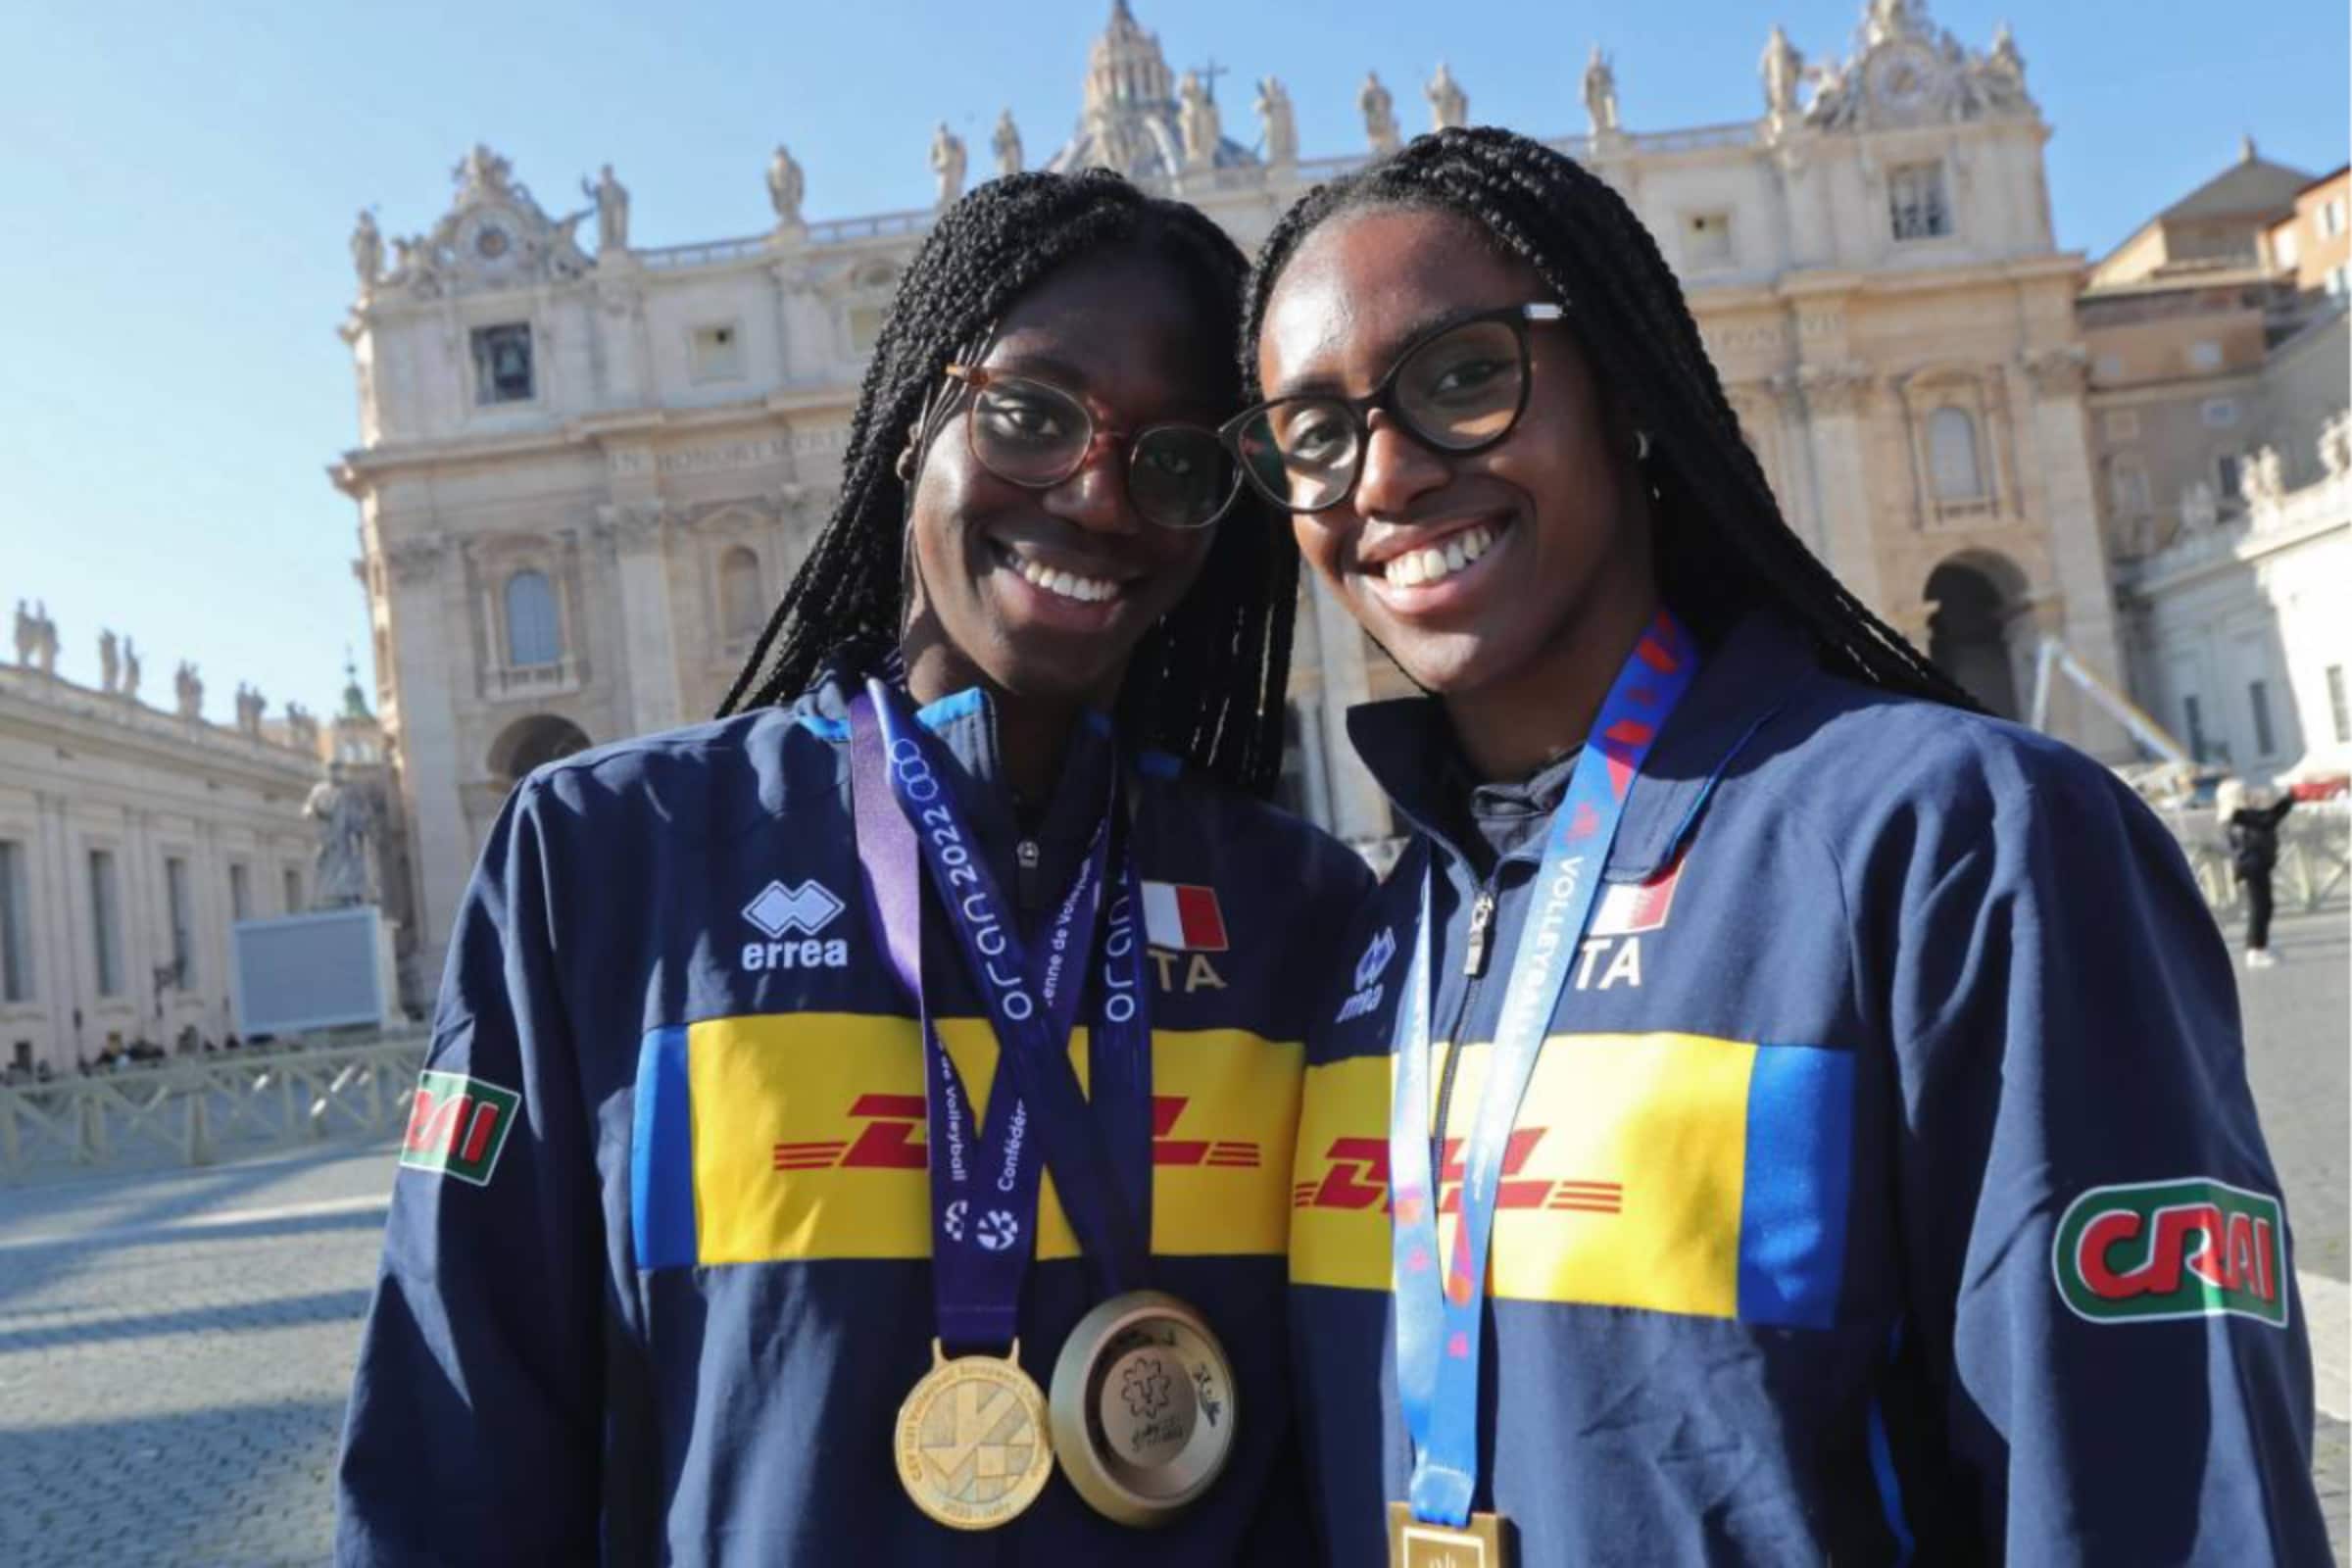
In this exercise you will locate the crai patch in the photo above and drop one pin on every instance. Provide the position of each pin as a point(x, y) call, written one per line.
point(2147, 1252)
point(458, 1126)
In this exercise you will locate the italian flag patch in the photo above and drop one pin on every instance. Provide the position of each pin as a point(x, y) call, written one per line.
point(1183, 915)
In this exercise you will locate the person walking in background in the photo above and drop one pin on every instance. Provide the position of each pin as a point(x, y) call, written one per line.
point(2252, 825)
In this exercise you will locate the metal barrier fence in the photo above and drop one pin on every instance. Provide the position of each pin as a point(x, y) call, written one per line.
point(191, 1110)
point(2315, 855)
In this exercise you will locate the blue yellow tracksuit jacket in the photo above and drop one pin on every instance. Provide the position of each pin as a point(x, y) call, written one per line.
point(1888, 1188)
point(656, 1272)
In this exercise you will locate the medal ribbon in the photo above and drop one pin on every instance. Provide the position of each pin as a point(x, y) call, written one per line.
point(984, 1180)
point(1438, 1329)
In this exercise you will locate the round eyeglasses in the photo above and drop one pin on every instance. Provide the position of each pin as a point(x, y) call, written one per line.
point(1028, 432)
point(1458, 389)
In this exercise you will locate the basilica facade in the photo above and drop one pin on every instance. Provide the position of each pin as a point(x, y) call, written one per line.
point(586, 470)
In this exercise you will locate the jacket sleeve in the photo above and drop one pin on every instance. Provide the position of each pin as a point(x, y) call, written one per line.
point(2101, 1292)
point(475, 1422)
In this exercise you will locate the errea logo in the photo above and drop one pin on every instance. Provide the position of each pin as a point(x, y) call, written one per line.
point(1368, 969)
point(778, 912)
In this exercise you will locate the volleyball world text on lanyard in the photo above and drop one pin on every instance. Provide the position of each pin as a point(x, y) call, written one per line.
point(974, 1460)
point(1438, 1324)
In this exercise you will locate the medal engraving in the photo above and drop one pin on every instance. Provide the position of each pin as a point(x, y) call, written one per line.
point(972, 1443)
point(1144, 1408)
point(1417, 1544)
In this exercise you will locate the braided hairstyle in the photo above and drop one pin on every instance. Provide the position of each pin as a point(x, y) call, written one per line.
point(1722, 546)
point(1207, 682)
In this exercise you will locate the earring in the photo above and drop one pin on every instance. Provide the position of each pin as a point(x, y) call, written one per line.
point(1640, 446)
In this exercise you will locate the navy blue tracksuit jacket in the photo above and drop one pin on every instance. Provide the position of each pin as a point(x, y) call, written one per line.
point(1888, 1188)
point(657, 1275)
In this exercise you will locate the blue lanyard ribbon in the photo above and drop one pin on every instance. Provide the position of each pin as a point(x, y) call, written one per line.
point(985, 1179)
point(1439, 1328)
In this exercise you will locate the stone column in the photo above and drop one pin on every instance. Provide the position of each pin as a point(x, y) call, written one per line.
point(1838, 400)
point(1358, 811)
point(632, 532)
point(424, 637)
point(2059, 441)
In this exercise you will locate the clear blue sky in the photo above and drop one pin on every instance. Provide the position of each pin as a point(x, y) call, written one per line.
point(177, 183)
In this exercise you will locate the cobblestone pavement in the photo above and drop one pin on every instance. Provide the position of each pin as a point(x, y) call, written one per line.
point(175, 1348)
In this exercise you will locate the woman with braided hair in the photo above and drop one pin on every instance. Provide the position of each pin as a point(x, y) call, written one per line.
point(1781, 1113)
point(815, 1087)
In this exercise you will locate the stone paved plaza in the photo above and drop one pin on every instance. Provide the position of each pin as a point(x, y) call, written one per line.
point(174, 1348)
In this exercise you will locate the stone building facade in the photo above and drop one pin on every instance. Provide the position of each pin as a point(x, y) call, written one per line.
point(131, 840)
point(584, 476)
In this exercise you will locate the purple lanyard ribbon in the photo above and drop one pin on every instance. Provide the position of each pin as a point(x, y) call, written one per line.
point(1438, 1329)
point(985, 1179)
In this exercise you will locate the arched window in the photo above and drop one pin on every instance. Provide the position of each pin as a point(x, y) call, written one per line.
point(741, 604)
point(534, 636)
point(1952, 456)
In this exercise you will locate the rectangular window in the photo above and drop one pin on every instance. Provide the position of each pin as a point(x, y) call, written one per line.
point(865, 325)
point(1706, 240)
point(293, 890)
point(716, 353)
point(2219, 414)
point(2339, 280)
point(2129, 487)
point(16, 926)
point(2339, 708)
point(1916, 202)
point(2110, 368)
point(2194, 716)
point(240, 892)
point(2285, 245)
point(181, 909)
point(2205, 355)
point(2225, 471)
point(2257, 700)
point(2332, 217)
point(106, 923)
point(2123, 424)
point(502, 363)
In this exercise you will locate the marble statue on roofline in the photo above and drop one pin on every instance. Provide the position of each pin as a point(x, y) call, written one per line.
point(1276, 123)
point(1449, 105)
point(947, 162)
point(1380, 113)
point(1600, 94)
point(1006, 145)
point(612, 200)
point(785, 186)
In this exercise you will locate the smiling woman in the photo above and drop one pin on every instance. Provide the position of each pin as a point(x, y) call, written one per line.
point(776, 1196)
point(1770, 1014)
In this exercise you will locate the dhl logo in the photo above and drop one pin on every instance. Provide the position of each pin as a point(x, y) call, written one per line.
point(892, 1139)
point(1357, 1178)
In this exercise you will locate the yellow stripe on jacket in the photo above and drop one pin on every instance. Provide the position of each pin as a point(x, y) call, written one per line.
point(807, 1138)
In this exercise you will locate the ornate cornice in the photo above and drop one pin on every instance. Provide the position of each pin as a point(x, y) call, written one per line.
point(2059, 372)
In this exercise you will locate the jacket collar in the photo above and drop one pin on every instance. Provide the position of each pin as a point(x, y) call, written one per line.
point(1406, 742)
point(965, 723)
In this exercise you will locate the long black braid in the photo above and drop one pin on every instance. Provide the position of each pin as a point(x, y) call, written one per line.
point(1722, 546)
point(1207, 683)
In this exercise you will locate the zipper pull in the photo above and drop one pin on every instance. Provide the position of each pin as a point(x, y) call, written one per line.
point(1482, 918)
point(1026, 853)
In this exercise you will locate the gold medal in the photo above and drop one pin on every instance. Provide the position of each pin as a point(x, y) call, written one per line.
point(1480, 1543)
point(971, 1444)
point(1144, 1408)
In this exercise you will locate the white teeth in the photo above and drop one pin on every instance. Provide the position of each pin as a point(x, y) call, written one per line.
point(1070, 585)
point(1416, 567)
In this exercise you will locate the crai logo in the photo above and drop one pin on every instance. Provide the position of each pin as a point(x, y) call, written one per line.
point(778, 914)
point(458, 1126)
point(2189, 1248)
point(1368, 970)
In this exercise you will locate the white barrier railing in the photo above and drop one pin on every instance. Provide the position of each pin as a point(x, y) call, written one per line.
point(190, 1111)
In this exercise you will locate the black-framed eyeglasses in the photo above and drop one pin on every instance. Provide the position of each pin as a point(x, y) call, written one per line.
point(1458, 388)
point(1032, 433)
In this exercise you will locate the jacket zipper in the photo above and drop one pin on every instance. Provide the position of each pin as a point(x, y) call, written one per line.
point(1473, 965)
point(1028, 857)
